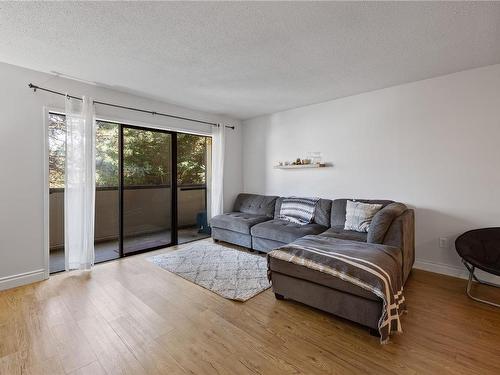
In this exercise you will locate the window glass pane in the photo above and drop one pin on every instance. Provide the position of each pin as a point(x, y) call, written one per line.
point(193, 154)
point(106, 197)
point(106, 155)
point(106, 152)
point(148, 158)
point(147, 193)
point(191, 159)
point(57, 142)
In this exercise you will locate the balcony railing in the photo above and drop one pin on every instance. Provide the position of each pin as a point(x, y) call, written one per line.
point(142, 204)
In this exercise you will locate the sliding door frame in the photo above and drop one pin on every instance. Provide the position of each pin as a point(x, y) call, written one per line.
point(120, 191)
point(173, 188)
point(120, 122)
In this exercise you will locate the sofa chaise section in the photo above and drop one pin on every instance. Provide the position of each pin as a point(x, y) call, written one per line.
point(277, 232)
point(306, 283)
point(392, 229)
point(248, 210)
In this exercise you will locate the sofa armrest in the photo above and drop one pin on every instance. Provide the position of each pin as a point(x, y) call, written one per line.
point(401, 234)
point(382, 221)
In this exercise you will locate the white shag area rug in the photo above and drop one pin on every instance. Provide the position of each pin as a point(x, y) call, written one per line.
point(234, 274)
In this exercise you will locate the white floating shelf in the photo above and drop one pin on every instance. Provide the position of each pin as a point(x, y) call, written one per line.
point(300, 166)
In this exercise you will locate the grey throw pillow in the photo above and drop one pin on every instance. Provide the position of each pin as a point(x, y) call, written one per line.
point(358, 216)
point(298, 210)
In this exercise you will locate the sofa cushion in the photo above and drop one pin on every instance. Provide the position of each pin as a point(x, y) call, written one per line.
point(284, 231)
point(237, 238)
point(265, 245)
point(383, 220)
point(321, 278)
point(237, 221)
point(321, 213)
point(345, 234)
point(255, 204)
point(339, 209)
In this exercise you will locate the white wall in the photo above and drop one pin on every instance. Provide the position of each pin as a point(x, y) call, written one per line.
point(21, 159)
point(433, 144)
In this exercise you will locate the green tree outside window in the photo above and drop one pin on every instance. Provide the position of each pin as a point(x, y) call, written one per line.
point(147, 156)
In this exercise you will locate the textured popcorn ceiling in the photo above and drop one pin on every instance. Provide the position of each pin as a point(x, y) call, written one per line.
point(249, 59)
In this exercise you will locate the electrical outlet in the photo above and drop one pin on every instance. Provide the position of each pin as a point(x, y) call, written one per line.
point(443, 242)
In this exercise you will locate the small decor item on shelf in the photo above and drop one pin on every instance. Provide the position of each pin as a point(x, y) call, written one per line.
point(315, 157)
point(311, 160)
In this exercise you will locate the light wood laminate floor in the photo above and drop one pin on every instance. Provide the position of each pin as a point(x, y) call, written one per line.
point(131, 317)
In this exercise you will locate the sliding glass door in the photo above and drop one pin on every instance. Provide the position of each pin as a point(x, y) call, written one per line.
point(151, 189)
point(107, 196)
point(193, 175)
point(147, 171)
point(107, 233)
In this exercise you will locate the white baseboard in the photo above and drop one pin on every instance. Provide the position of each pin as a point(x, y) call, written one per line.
point(443, 269)
point(446, 269)
point(12, 281)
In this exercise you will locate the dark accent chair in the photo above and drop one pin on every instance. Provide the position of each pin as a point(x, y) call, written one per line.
point(480, 248)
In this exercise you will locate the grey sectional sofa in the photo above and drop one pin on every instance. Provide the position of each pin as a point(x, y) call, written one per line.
point(254, 223)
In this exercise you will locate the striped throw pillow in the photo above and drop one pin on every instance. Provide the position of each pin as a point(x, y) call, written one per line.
point(298, 210)
point(358, 216)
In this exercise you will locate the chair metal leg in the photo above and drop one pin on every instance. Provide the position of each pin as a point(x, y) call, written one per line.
point(471, 270)
point(469, 286)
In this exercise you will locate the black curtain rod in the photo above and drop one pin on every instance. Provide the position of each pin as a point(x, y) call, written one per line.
point(35, 87)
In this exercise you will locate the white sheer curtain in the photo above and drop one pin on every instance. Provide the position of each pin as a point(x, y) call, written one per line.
point(218, 149)
point(79, 193)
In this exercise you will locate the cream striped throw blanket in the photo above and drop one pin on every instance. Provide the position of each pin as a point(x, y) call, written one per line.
point(373, 267)
point(298, 210)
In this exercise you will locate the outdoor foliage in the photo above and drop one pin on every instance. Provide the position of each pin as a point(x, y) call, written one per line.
point(56, 130)
point(106, 154)
point(192, 158)
point(146, 156)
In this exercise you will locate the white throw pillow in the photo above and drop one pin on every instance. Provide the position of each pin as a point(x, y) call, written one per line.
point(358, 216)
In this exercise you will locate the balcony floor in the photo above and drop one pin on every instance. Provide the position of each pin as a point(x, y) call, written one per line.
point(108, 250)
